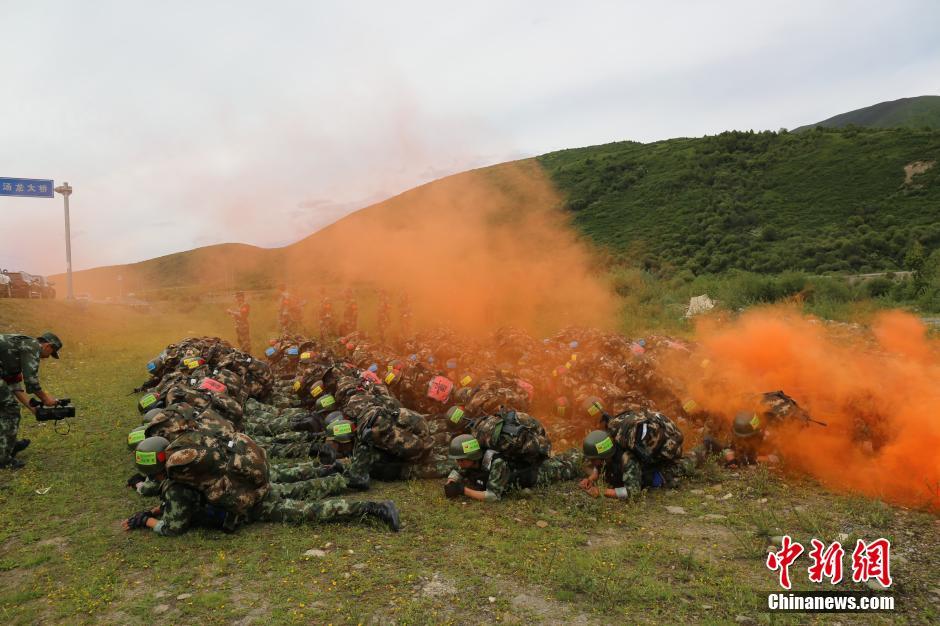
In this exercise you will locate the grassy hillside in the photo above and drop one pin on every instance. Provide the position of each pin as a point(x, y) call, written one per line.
point(822, 201)
point(919, 112)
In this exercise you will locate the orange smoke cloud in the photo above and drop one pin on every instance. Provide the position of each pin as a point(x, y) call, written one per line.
point(475, 251)
point(878, 394)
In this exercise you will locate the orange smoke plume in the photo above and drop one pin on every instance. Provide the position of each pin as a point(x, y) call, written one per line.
point(878, 393)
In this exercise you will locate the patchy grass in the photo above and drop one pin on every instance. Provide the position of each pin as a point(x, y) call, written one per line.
point(64, 558)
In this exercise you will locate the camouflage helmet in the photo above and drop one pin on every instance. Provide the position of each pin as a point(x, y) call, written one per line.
point(136, 436)
point(746, 424)
point(340, 431)
point(150, 455)
point(465, 447)
point(598, 445)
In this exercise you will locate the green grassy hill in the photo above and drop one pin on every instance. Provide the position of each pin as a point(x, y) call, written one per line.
point(919, 112)
point(825, 201)
point(821, 201)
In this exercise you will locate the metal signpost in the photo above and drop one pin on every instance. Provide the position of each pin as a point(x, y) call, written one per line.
point(41, 188)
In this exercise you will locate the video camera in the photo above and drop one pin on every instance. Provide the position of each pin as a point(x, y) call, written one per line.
point(60, 411)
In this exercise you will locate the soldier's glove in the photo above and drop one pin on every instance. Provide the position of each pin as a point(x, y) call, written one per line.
point(138, 520)
point(453, 489)
point(135, 480)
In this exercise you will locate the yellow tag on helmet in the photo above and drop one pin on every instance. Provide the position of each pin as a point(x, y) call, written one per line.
point(594, 409)
point(296, 386)
point(316, 390)
point(755, 422)
point(389, 378)
point(604, 446)
point(470, 446)
point(306, 356)
point(690, 405)
point(466, 380)
point(145, 458)
point(135, 437)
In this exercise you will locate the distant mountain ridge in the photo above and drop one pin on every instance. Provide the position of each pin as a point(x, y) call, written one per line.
point(918, 112)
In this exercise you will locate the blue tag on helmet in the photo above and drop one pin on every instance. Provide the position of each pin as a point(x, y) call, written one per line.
point(430, 359)
point(642, 342)
point(573, 345)
point(451, 364)
point(151, 366)
point(270, 351)
point(293, 351)
point(413, 357)
point(374, 367)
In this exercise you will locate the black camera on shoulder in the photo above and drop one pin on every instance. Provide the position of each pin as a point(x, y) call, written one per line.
point(63, 408)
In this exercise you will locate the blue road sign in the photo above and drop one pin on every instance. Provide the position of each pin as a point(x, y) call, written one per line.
point(27, 187)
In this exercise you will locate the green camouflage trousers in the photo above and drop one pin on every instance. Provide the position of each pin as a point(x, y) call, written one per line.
point(290, 445)
point(295, 472)
point(368, 461)
point(312, 489)
point(9, 421)
point(274, 508)
point(271, 424)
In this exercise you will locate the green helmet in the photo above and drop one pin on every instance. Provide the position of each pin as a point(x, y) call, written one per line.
point(746, 424)
point(150, 457)
point(147, 402)
point(456, 414)
point(333, 416)
point(340, 431)
point(149, 415)
point(326, 402)
point(598, 445)
point(136, 436)
point(465, 447)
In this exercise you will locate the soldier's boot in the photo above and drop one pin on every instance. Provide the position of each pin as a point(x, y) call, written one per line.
point(19, 446)
point(359, 483)
point(13, 463)
point(385, 511)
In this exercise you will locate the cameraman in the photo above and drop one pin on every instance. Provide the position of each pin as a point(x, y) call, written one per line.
point(19, 364)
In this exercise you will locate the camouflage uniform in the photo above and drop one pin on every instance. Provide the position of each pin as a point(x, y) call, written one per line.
point(19, 366)
point(497, 476)
point(184, 506)
point(648, 453)
point(241, 327)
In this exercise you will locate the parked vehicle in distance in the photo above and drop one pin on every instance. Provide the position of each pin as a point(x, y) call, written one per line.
point(24, 285)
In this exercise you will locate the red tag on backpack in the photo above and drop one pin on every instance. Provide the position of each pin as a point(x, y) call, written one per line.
point(371, 377)
point(439, 388)
point(210, 384)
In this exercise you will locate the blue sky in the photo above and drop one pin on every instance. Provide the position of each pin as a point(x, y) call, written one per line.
point(182, 124)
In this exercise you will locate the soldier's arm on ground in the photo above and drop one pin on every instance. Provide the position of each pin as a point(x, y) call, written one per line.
point(180, 504)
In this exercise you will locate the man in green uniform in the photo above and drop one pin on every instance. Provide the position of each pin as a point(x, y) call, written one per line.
point(19, 367)
point(240, 315)
point(183, 506)
point(486, 476)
